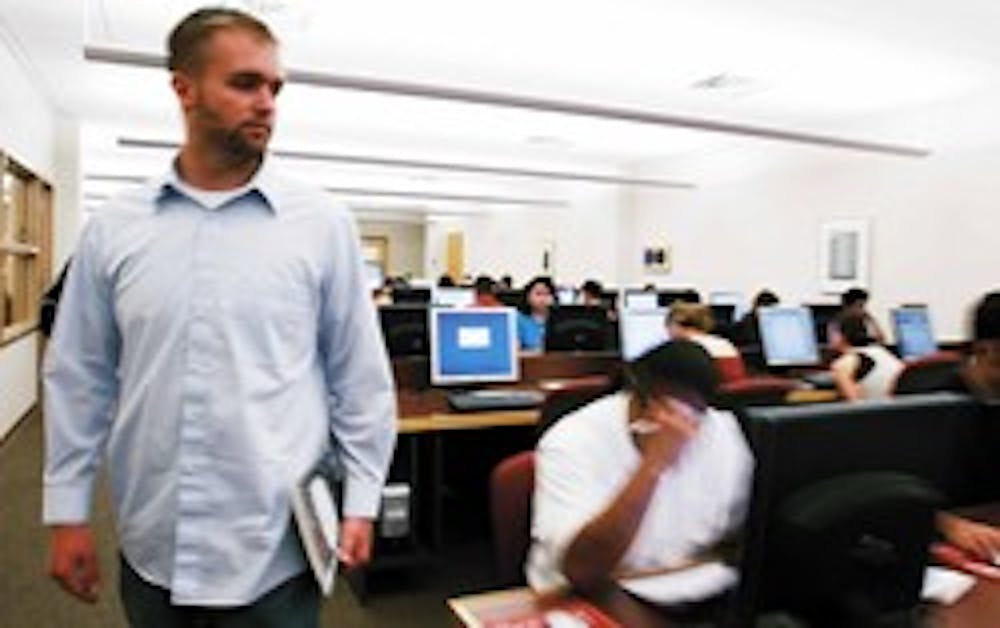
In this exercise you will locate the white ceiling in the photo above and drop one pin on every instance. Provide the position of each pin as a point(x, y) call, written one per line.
point(817, 67)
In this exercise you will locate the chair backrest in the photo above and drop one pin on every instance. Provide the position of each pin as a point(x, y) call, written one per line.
point(927, 373)
point(512, 484)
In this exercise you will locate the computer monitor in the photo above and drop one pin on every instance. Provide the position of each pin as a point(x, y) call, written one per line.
point(577, 328)
point(470, 345)
point(411, 295)
point(638, 299)
point(823, 314)
point(454, 296)
point(566, 295)
point(914, 335)
point(788, 336)
point(404, 329)
point(641, 330)
point(944, 439)
point(684, 295)
point(724, 315)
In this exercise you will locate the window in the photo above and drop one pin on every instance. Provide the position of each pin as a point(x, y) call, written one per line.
point(25, 247)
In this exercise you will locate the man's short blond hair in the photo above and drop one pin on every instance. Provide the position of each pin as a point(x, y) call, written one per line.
point(186, 43)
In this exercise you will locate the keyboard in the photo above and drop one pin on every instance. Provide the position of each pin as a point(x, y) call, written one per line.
point(486, 400)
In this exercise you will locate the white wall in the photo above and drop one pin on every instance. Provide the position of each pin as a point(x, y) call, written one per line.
point(755, 220)
point(406, 244)
point(27, 132)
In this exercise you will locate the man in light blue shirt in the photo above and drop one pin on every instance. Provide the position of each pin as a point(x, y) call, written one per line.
point(215, 342)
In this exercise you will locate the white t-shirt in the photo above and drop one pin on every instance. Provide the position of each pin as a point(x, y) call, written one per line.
point(879, 381)
point(715, 346)
point(585, 460)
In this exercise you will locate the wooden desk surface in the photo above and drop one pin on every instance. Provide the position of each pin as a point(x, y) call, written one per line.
point(445, 421)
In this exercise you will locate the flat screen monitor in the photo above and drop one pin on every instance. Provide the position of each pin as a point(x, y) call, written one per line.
point(609, 299)
point(684, 295)
point(914, 335)
point(411, 295)
point(788, 336)
point(404, 328)
point(566, 296)
point(823, 314)
point(510, 298)
point(577, 328)
point(454, 297)
point(470, 345)
point(641, 330)
point(640, 300)
point(724, 315)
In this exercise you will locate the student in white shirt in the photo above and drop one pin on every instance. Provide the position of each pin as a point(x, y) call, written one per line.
point(865, 369)
point(640, 480)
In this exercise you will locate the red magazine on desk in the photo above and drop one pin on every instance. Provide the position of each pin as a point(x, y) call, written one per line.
point(578, 609)
point(958, 558)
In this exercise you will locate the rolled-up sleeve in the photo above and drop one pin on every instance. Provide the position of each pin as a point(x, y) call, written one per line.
point(80, 385)
point(362, 395)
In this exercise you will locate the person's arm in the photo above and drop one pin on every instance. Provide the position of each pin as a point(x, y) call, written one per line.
point(874, 329)
point(361, 392)
point(80, 388)
point(843, 370)
point(980, 539)
point(598, 548)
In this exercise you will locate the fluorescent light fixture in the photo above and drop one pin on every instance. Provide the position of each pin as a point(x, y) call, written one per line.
point(533, 103)
point(423, 164)
point(444, 196)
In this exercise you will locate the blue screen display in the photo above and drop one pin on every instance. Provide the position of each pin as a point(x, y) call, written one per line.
point(475, 345)
point(913, 332)
point(788, 336)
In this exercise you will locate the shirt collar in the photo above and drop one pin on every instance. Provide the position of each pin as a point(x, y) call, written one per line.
point(264, 182)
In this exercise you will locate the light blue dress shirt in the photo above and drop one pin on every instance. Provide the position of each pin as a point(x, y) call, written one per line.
point(211, 357)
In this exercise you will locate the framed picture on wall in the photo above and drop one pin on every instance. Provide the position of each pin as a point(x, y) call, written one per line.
point(843, 257)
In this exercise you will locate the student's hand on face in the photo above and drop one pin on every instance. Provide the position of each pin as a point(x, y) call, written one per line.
point(73, 561)
point(670, 424)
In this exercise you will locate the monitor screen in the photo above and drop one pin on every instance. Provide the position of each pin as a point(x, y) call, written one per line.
point(404, 328)
point(788, 336)
point(640, 300)
point(685, 295)
point(473, 345)
point(454, 296)
point(577, 328)
point(724, 315)
point(914, 335)
point(641, 330)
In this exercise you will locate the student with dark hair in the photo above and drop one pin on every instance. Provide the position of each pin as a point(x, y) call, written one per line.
point(485, 292)
point(506, 283)
point(539, 296)
point(591, 292)
point(745, 332)
point(854, 302)
point(865, 369)
point(639, 480)
point(445, 281)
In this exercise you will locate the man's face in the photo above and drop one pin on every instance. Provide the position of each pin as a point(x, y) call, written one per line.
point(230, 101)
point(985, 368)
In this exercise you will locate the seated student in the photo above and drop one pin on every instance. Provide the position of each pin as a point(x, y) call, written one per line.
point(865, 369)
point(445, 281)
point(485, 292)
point(746, 332)
point(590, 293)
point(539, 295)
point(694, 322)
point(979, 376)
point(854, 302)
point(640, 480)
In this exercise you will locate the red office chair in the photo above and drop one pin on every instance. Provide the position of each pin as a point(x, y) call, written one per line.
point(731, 369)
point(925, 374)
point(512, 485)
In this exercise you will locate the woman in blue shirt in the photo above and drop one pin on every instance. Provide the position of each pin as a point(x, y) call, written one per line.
point(539, 294)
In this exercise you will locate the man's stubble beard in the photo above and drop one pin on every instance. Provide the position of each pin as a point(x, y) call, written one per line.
point(230, 144)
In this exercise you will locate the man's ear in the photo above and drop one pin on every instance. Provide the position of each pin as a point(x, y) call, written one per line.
point(185, 88)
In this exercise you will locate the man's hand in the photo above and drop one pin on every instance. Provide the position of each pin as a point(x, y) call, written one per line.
point(672, 424)
point(73, 561)
point(977, 538)
point(355, 542)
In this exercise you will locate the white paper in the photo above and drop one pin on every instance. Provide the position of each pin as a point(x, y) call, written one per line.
point(945, 586)
point(686, 585)
point(316, 517)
